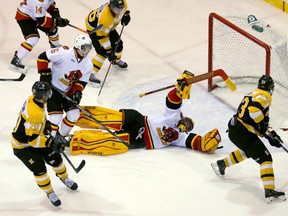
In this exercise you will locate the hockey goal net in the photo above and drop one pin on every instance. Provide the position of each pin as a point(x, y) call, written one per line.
point(246, 48)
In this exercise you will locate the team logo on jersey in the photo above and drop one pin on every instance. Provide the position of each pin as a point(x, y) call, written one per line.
point(73, 76)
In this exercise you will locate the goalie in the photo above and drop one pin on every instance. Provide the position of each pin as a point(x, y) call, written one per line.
point(152, 132)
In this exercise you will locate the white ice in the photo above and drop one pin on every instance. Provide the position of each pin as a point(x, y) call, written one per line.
point(164, 38)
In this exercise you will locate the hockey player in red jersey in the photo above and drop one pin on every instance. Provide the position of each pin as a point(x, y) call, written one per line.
point(34, 146)
point(31, 16)
point(68, 72)
point(244, 129)
point(155, 132)
point(104, 40)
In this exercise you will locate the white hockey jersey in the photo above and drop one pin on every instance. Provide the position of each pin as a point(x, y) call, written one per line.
point(155, 126)
point(34, 8)
point(67, 68)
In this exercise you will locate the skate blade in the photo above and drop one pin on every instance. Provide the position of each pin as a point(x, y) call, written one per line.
point(279, 199)
point(216, 169)
point(119, 68)
point(94, 85)
point(19, 70)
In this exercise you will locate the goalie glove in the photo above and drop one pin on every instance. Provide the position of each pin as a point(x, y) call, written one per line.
point(274, 139)
point(183, 88)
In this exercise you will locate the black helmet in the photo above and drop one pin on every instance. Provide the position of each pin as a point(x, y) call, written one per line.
point(42, 90)
point(117, 3)
point(266, 83)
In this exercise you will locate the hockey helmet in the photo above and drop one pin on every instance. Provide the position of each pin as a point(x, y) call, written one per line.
point(116, 6)
point(42, 91)
point(266, 83)
point(83, 44)
point(185, 124)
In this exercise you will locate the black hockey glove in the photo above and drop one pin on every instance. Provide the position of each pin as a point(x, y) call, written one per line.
point(57, 143)
point(274, 139)
point(126, 18)
point(76, 97)
point(262, 127)
point(47, 129)
point(55, 13)
point(61, 22)
point(46, 75)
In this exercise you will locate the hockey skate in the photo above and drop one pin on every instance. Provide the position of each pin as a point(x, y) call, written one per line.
point(54, 199)
point(93, 81)
point(17, 66)
point(70, 184)
point(120, 64)
point(219, 167)
point(274, 196)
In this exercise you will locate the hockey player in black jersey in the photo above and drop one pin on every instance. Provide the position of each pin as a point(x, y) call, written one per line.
point(35, 147)
point(245, 127)
point(107, 38)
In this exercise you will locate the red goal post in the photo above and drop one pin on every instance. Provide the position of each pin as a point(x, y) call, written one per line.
point(215, 17)
point(246, 48)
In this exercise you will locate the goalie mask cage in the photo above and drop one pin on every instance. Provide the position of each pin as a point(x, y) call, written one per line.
point(246, 52)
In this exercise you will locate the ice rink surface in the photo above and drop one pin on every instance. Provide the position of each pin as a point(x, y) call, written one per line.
point(163, 38)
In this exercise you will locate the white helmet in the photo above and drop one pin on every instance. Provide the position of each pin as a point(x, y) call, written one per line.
point(83, 44)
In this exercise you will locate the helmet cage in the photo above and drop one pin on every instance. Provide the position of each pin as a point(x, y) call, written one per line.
point(185, 124)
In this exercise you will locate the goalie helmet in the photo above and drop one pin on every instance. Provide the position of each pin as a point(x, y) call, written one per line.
point(266, 83)
point(42, 91)
point(185, 124)
point(83, 44)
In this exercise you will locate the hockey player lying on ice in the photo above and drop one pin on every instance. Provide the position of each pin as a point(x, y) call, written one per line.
point(154, 132)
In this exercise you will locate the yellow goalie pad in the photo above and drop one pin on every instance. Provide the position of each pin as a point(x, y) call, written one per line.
point(108, 117)
point(96, 142)
point(210, 141)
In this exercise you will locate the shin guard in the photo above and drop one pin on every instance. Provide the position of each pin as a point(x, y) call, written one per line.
point(108, 117)
point(96, 142)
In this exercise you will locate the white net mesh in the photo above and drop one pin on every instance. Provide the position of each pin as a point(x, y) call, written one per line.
point(245, 61)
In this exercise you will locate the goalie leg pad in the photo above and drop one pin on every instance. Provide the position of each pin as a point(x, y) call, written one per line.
point(96, 142)
point(108, 117)
point(210, 141)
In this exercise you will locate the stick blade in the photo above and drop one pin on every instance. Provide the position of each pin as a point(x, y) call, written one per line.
point(81, 165)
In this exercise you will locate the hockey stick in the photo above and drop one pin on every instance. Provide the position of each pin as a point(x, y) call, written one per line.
point(22, 76)
point(82, 30)
point(81, 165)
point(111, 62)
point(92, 117)
point(199, 78)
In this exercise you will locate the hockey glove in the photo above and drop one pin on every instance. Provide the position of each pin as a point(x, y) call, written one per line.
point(61, 22)
point(76, 97)
point(262, 127)
point(46, 75)
point(274, 139)
point(47, 128)
point(57, 143)
point(183, 88)
point(126, 18)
